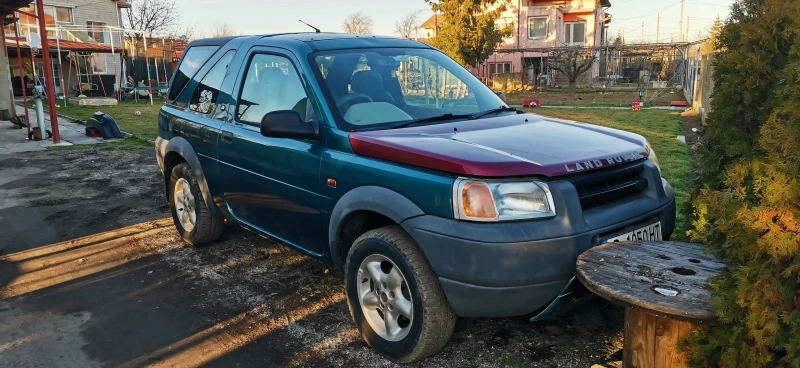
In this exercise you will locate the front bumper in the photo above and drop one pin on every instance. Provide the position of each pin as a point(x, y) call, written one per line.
point(516, 268)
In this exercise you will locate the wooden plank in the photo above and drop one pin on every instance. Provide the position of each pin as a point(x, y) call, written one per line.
point(668, 334)
point(639, 340)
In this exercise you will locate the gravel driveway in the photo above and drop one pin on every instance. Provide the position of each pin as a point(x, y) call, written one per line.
point(92, 273)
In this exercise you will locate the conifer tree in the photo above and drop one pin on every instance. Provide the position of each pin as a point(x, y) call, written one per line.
point(748, 210)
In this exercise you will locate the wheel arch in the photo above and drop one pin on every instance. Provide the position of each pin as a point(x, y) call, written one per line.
point(363, 209)
point(177, 151)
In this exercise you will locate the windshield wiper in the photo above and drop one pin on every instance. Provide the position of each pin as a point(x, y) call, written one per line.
point(448, 116)
point(493, 111)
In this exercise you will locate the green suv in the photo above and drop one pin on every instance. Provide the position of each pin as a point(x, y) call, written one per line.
point(390, 162)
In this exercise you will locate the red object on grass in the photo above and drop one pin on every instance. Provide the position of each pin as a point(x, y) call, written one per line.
point(531, 104)
point(636, 106)
point(678, 103)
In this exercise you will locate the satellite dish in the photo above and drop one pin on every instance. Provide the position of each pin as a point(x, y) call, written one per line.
point(34, 41)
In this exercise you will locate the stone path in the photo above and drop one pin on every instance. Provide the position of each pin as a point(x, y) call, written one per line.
point(16, 140)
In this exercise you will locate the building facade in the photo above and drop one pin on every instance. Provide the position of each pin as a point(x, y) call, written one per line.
point(87, 32)
point(539, 25)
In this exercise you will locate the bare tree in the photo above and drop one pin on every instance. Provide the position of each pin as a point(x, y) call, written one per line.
point(151, 16)
point(407, 26)
point(572, 61)
point(224, 30)
point(185, 32)
point(357, 23)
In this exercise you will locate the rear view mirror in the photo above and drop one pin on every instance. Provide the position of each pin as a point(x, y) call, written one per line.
point(287, 124)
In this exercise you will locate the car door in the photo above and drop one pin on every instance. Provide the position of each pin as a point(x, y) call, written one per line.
point(272, 184)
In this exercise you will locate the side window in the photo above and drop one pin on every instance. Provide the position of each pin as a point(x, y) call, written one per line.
point(206, 94)
point(192, 61)
point(270, 84)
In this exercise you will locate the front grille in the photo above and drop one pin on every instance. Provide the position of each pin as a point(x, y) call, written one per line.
point(602, 187)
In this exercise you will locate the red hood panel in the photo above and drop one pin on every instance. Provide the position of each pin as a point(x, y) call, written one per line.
point(515, 145)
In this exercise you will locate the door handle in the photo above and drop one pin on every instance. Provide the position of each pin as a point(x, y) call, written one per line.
point(227, 137)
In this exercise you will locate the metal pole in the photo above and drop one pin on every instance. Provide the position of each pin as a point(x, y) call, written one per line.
point(48, 70)
point(680, 23)
point(118, 84)
point(658, 27)
point(22, 80)
point(164, 64)
point(60, 67)
point(147, 64)
point(687, 28)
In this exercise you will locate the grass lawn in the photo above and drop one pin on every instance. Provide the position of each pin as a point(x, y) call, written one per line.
point(594, 97)
point(144, 125)
point(660, 127)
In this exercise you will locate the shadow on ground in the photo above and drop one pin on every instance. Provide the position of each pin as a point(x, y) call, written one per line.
point(93, 274)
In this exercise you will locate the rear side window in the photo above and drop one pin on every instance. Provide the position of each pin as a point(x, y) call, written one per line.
point(192, 61)
point(206, 94)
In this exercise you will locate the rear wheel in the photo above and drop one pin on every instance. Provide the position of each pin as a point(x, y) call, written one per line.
point(192, 218)
point(395, 298)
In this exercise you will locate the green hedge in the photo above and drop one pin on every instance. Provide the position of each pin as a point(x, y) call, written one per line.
point(748, 209)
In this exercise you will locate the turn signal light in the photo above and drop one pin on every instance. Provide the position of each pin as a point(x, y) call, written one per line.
point(477, 201)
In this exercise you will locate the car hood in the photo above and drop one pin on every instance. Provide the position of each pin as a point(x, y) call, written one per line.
point(503, 146)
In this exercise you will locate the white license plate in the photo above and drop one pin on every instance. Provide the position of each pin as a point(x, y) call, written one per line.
point(650, 232)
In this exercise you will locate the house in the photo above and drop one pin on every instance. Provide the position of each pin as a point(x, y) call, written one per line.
point(539, 25)
point(85, 40)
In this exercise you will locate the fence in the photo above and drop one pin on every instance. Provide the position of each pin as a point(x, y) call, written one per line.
point(700, 83)
point(137, 68)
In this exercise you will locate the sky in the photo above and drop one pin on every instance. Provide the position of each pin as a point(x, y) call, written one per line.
point(274, 16)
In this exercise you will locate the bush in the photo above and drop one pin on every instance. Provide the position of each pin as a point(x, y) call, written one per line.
point(748, 210)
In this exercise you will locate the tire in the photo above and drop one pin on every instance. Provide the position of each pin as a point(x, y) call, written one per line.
point(206, 227)
point(433, 320)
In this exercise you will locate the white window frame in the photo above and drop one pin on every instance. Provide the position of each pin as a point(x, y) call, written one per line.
point(69, 8)
point(493, 65)
point(103, 30)
point(571, 26)
point(546, 27)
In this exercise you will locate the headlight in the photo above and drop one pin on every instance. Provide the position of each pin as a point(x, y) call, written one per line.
point(652, 155)
point(477, 200)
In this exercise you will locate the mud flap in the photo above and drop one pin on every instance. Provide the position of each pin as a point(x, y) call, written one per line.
point(563, 302)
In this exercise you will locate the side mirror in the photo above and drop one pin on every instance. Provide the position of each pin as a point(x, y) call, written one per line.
point(501, 95)
point(287, 124)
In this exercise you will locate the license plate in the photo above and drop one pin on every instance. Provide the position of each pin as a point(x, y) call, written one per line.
point(650, 232)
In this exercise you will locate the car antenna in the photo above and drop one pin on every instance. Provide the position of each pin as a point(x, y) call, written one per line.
point(315, 28)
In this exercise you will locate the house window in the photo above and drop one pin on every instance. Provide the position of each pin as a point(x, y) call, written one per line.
point(99, 63)
point(575, 33)
point(498, 68)
point(537, 27)
point(57, 15)
point(96, 31)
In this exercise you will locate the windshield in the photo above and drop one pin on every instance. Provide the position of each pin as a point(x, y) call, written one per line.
point(379, 88)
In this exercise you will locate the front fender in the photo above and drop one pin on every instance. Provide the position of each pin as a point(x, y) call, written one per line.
point(367, 198)
point(180, 146)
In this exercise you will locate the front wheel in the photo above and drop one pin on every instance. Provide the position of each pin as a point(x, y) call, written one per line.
point(395, 298)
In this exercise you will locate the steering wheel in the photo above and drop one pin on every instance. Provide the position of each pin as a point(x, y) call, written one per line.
point(352, 99)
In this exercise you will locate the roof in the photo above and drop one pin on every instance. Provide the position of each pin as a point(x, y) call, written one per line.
point(321, 41)
point(432, 22)
point(11, 42)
